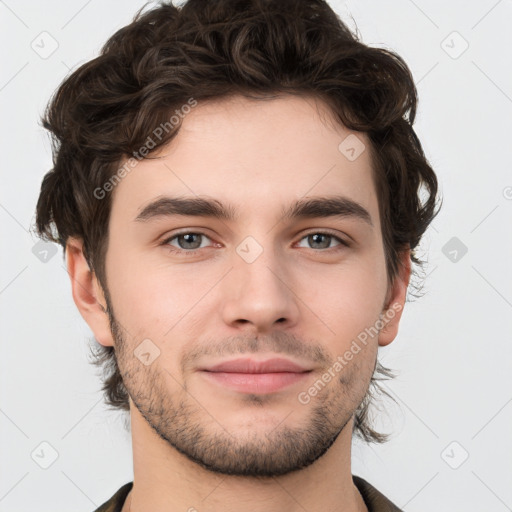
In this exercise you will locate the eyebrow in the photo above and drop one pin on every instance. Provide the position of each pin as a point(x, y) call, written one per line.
point(330, 206)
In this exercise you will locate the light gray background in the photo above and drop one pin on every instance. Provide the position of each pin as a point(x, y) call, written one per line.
point(454, 350)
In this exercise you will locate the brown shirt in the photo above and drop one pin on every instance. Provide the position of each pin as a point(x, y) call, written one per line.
point(375, 501)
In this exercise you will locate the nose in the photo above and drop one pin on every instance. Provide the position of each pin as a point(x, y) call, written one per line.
point(259, 296)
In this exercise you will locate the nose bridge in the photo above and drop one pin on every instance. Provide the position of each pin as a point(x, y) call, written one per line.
point(257, 290)
point(258, 266)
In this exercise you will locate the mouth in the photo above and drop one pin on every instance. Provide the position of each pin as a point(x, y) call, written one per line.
point(248, 365)
point(260, 377)
point(259, 383)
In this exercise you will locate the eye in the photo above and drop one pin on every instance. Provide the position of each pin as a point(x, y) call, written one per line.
point(322, 241)
point(187, 242)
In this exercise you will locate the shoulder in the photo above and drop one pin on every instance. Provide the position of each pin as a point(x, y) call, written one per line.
point(375, 500)
point(116, 502)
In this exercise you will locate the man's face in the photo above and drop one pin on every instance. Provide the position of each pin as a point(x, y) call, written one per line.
point(258, 286)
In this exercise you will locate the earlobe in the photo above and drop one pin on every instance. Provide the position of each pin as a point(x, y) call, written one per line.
point(87, 292)
point(391, 315)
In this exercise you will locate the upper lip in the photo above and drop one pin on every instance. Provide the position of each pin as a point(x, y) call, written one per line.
point(245, 365)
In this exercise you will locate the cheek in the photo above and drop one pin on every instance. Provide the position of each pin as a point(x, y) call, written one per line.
point(348, 301)
point(346, 297)
point(150, 299)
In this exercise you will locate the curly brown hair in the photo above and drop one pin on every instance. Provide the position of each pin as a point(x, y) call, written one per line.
point(104, 111)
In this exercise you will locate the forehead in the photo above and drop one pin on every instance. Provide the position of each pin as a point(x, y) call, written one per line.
point(255, 155)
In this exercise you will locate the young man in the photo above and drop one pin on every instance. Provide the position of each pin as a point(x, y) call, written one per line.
point(237, 186)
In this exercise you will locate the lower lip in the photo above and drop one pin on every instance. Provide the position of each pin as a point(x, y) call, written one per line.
point(256, 382)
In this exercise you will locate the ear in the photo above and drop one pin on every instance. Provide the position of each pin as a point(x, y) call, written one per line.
point(87, 292)
point(395, 300)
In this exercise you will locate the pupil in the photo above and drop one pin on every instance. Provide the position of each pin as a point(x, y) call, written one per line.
point(188, 240)
point(315, 238)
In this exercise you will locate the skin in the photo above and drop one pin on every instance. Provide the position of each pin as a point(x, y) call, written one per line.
point(199, 445)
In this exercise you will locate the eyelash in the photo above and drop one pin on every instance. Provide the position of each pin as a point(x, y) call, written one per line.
point(192, 252)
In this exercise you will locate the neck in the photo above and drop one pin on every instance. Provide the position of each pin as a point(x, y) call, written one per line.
point(164, 480)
